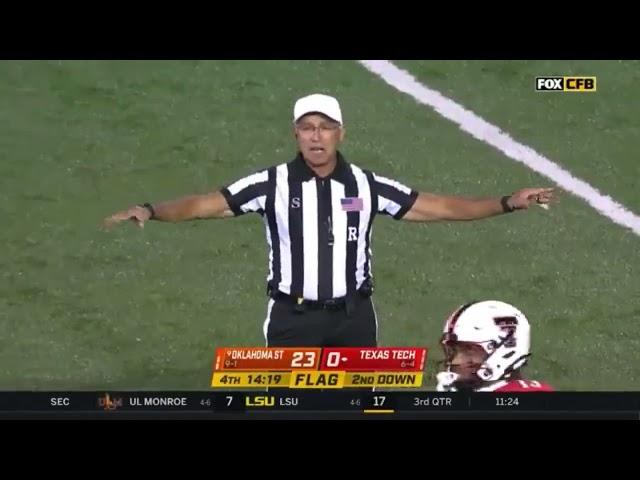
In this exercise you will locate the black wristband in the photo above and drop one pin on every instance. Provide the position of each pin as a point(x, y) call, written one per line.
point(505, 204)
point(149, 207)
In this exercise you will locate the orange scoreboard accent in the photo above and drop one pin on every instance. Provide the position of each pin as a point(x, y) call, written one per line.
point(266, 358)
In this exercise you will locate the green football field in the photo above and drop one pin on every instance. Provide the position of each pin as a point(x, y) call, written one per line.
point(81, 308)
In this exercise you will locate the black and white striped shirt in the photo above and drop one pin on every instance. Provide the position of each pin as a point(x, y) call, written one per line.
point(318, 230)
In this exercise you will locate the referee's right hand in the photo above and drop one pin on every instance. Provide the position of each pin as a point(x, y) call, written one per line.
point(137, 214)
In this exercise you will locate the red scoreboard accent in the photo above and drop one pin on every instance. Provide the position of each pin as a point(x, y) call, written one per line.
point(374, 359)
point(266, 358)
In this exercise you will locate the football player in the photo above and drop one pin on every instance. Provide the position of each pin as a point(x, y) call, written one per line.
point(486, 344)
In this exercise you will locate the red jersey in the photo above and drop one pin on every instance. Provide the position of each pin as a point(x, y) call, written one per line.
point(524, 386)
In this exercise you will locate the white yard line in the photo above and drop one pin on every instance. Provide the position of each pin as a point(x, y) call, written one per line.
point(488, 133)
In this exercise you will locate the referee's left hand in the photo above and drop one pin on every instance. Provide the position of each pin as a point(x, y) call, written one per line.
point(523, 199)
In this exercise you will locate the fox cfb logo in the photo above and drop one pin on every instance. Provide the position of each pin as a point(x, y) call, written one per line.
point(565, 84)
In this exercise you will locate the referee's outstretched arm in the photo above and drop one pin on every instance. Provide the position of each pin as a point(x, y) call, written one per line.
point(431, 207)
point(210, 205)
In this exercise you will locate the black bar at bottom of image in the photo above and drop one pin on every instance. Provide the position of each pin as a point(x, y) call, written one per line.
point(319, 415)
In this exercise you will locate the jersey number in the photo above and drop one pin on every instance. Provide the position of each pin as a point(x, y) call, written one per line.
point(529, 383)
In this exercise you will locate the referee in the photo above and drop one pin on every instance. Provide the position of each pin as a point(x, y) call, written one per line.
point(318, 210)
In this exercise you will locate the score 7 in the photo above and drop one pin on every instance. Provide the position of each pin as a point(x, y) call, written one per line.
point(303, 359)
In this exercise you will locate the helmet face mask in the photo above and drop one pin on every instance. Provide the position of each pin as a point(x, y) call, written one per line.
point(485, 342)
point(464, 359)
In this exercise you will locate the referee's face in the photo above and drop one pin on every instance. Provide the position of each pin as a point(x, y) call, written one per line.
point(318, 138)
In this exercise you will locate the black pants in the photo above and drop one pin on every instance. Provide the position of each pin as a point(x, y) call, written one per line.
point(285, 327)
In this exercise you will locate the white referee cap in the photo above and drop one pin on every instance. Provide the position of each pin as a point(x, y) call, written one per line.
point(317, 103)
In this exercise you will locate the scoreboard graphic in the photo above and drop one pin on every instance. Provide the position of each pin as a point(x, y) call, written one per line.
point(321, 368)
point(315, 383)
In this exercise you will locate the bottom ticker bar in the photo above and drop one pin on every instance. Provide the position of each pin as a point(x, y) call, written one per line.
point(324, 400)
